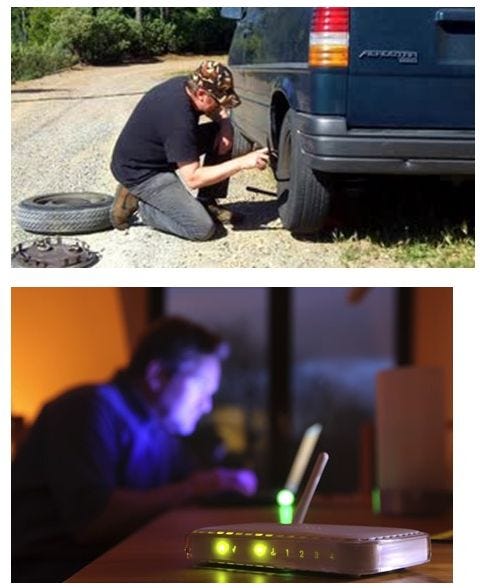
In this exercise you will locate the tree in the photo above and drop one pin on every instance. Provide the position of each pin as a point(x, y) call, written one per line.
point(19, 25)
point(47, 39)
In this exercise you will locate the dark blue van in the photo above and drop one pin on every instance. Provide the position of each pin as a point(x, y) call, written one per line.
point(343, 92)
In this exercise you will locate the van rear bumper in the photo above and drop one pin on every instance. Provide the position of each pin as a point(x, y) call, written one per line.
point(329, 146)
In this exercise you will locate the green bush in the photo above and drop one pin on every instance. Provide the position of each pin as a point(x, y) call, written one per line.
point(39, 28)
point(34, 61)
point(104, 38)
point(157, 37)
point(73, 27)
point(46, 39)
point(201, 30)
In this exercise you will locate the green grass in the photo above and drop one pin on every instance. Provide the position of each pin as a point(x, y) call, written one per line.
point(446, 253)
point(451, 252)
point(399, 222)
point(408, 223)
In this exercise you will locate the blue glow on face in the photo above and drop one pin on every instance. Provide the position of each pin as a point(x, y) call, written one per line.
point(188, 395)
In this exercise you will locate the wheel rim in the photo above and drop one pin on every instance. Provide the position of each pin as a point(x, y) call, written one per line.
point(73, 199)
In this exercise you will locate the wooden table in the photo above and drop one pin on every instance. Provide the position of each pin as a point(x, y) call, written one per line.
point(155, 553)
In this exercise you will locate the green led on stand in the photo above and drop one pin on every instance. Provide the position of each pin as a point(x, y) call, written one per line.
point(285, 500)
point(376, 501)
point(285, 514)
point(285, 497)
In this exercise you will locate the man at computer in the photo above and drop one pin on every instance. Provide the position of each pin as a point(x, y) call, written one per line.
point(103, 459)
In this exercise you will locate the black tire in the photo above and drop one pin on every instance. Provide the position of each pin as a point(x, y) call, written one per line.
point(65, 213)
point(304, 194)
point(241, 144)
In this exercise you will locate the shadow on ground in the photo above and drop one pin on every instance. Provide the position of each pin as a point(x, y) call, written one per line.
point(391, 210)
point(256, 214)
point(33, 90)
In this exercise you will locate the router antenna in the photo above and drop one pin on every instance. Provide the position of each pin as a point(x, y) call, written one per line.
point(310, 488)
point(302, 457)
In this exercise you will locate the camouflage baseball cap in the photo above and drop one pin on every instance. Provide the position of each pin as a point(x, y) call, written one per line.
point(216, 79)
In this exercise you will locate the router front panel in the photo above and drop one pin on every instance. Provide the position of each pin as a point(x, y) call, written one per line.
point(336, 549)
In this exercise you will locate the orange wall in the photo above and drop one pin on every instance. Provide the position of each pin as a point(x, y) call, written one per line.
point(433, 346)
point(62, 337)
point(433, 334)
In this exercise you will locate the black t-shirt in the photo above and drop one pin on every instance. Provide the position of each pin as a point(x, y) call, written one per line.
point(161, 131)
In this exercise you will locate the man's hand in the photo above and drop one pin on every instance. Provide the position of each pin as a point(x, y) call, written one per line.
point(196, 176)
point(255, 159)
point(126, 509)
point(217, 480)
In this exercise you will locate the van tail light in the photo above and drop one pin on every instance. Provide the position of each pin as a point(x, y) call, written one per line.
point(329, 37)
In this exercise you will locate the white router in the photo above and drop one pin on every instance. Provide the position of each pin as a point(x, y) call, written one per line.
point(337, 549)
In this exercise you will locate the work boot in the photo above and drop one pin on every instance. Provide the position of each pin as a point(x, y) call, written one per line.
point(124, 205)
point(221, 213)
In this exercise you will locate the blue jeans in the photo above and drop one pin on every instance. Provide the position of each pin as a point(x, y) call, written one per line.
point(166, 204)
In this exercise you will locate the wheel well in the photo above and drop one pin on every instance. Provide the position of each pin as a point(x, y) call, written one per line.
point(278, 110)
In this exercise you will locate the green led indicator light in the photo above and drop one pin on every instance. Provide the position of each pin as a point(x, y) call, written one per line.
point(221, 547)
point(376, 501)
point(285, 515)
point(259, 549)
point(285, 497)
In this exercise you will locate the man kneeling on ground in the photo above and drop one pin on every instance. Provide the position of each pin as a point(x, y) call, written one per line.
point(163, 155)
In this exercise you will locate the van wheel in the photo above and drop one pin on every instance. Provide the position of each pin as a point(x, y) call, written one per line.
point(303, 194)
point(241, 145)
point(66, 213)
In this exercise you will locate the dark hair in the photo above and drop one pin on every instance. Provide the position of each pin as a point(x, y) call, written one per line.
point(175, 340)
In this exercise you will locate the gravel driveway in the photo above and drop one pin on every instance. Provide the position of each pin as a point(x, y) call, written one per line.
point(64, 127)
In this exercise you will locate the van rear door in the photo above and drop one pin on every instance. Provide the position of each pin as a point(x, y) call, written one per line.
point(411, 68)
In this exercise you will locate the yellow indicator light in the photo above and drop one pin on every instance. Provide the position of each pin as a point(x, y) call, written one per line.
point(259, 549)
point(221, 547)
